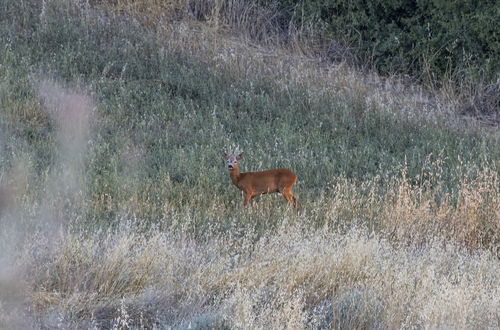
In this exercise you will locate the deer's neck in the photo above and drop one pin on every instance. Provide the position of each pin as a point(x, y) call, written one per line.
point(235, 175)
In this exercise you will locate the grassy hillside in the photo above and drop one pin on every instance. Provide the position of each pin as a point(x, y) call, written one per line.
point(116, 209)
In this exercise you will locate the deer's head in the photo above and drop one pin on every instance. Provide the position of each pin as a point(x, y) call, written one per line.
point(232, 160)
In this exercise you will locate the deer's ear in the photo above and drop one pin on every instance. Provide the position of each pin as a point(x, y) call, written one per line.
point(240, 156)
point(224, 155)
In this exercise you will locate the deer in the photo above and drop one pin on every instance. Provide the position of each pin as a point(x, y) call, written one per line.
point(252, 184)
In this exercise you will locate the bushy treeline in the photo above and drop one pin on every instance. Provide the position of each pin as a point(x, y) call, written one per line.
point(438, 39)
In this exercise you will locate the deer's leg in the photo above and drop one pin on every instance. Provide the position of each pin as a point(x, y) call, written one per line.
point(287, 193)
point(252, 200)
point(247, 197)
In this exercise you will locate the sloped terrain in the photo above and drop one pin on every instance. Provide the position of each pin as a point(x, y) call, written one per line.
point(116, 210)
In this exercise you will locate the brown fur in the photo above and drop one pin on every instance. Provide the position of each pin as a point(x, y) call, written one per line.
point(256, 183)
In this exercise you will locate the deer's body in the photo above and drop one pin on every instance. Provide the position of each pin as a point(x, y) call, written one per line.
point(252, 184)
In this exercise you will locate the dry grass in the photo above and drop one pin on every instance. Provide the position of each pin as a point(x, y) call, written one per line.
point(415, 214)
point(293, 278)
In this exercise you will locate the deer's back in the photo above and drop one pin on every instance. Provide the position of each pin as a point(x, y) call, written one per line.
point(268, 181)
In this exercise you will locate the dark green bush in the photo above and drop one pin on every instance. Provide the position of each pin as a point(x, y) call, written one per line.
point(437, 39)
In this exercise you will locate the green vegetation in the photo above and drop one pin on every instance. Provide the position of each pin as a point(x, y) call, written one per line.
point(116, 209)
point(442, 39)
point(452, 44)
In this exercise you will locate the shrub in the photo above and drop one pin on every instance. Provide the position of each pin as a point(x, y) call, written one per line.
point(439, 39)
